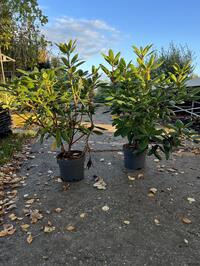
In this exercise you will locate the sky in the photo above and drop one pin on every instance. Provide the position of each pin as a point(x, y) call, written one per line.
point(118, 24)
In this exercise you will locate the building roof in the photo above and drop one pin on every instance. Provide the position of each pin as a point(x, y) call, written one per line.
point(193, 82)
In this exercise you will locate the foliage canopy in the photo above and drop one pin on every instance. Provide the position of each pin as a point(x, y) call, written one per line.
point(20, 36)
point(140, 101)
point(58, 101)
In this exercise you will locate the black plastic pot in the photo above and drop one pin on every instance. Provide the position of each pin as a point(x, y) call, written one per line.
point(133, 159)
point(5, 122)
point(71, 170)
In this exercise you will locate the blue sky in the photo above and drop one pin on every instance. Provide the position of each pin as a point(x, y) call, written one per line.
point(117, 24)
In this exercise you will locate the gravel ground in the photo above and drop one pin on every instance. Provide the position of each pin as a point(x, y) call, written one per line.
point(144, 221)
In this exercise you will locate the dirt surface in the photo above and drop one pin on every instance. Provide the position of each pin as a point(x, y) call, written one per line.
point(137, 225)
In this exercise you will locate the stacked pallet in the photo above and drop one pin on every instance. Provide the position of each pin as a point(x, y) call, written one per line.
point(5, 122)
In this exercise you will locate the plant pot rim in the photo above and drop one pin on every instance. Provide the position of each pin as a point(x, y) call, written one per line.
point(60, 156)
point(132, 148)
point(129, 146)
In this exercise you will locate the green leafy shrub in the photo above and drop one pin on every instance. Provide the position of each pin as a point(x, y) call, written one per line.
point(102, 93)
point(141, 102)
point(59, 102)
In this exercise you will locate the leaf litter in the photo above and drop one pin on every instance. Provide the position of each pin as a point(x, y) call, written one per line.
point(49, 228)
point(8, 230)
point(100, 183)
point(152, 192)
point(186, 220)
point(105, 208)
point(191, 200)
point(71, 228)
point(9, 181)
point(35, 216)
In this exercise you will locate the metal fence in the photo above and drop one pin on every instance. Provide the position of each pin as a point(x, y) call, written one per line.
point(193, 109)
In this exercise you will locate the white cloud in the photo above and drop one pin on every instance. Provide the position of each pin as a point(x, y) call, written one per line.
point(93, 36)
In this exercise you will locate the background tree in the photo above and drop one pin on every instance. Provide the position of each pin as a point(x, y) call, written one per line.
point(175, 54)
point(20, 35)
point(55, 61)
point(195, 76)
point(43, 59)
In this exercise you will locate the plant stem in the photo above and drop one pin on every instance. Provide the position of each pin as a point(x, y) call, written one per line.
point(62, 148)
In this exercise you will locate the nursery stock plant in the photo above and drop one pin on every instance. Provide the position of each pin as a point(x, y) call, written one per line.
point(59, 102)
point(141, 104)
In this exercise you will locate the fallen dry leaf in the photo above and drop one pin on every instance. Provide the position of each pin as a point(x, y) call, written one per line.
point(25, 227)
point(196, 151)
point(156, 221)
point(172, 170)
point(58, 210)
point(191, 200)
point(71, 228)
point(30, 201)
point(66, 187)
point(11, 207)
point(140, 176)
point(105, 208)
point(50, 172)
point(185, 220)
point(132, 178)
point(2, 193)
point(160, 169)
point(35, 215)
point(12, 217)
point(8, 230)
point(26, 212)
point(152, 192)
point(49, 229)
point(100, 184)
point(29, 239)
point(3, 233)
point(82, 215)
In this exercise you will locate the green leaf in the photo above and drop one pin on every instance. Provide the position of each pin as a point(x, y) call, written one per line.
point(105, 70)
point(63, 48)
point(110, 98)
point(97, 132)
point(74, 59)
point(173, 77)
point(80, 63)
point(111, 55)
point(101, 128)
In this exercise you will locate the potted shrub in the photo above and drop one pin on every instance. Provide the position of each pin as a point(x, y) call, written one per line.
point(59, 102)
point(140, 104)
